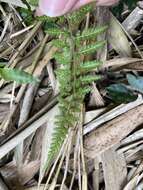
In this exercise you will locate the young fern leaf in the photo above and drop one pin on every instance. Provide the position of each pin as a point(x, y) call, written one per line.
point(76, 17)
point(90, 33)
point(89, 79)
point(60, 43)
point(91, 48)
point(89, 66)
point(17, 75)
point(58, 138)
point(57, 32)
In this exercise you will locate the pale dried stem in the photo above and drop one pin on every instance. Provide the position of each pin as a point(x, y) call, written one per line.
point(79, 170)
point(61, 155)
point(21, 32)
point(67, 159)
point(5, 27)
point(12, 94)
point(18, 15)
point(56, 161)
point(77, 144)
point(25, 44)
point(2, 10)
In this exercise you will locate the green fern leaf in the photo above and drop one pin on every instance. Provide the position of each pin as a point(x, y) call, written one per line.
point(91, 48)
point(58, 138)
point(83, 91)
point(89, 65)
point(19, 76)
point(59, 43)
point(90, 33)
point(88, 79)
point(76, 17)
point(56, 32)
point(60, 58)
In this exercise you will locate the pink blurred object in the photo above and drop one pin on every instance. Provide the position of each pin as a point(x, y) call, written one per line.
point(55, 8)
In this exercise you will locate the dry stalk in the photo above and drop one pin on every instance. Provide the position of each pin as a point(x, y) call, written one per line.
point(21, 32)
point(77, 144)
point(56, 161)
point(5, 27)
point(79, 170)
point(67, 159)
point(12, 95)
point(84, 174)
point(62, 154)
point(14, 60)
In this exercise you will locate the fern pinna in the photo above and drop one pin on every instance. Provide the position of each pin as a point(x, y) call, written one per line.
point(74, 72)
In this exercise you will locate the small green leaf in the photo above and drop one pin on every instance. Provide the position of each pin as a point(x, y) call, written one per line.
point(89, 78)
point(77, 16)
point(53, 29)
point(120, 94)
point(136, 82)
point(91, 33)
point(60, 43)
point(89, 65)
point(91, 48)
point(19, 76)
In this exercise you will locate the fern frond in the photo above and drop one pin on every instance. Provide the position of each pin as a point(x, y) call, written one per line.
point(64, 56)
point(89, 65)
point(58, 138)
point(88, 79)
point(90, 33)
point(56, 32)
point(61, 58)
point(60, 43)
point(77, 16)
point(91, 48)
point(83, 91)
point(72, 74)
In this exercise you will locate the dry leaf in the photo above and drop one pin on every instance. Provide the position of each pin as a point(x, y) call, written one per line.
point(118, 39)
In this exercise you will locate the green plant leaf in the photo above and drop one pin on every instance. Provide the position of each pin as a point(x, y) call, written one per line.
point(136, 82)
point(90, 65)
point(53, 29)
point(19, 76)
point(91, 33)
point(77, 16)
point(89, 79)
point(91, 48)
point(120, 94)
